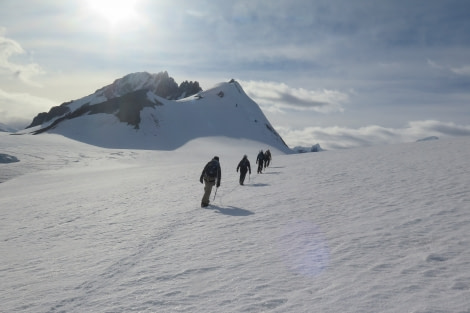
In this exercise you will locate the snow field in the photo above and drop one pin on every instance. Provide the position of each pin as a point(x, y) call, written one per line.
point(382, 229)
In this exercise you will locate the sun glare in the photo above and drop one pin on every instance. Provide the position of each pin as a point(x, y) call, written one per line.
point(114, 11)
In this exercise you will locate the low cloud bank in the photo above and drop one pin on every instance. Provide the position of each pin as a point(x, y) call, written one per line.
point(18, 109)
point(332, 138)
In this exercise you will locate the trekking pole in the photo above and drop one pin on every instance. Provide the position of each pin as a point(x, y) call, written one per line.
point(215, 193)
point(216, 187)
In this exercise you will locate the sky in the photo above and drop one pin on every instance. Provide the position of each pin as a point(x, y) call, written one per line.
point(370, 71)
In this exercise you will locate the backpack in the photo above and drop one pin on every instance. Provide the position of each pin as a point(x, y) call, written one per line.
point(212, 169)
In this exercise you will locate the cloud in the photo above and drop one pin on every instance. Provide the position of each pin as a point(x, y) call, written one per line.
point(463, 70)
point(23, 72)
point(278, 97)
point(434, 64)
point(437, 128)
point(342, 138)
point(18, 109)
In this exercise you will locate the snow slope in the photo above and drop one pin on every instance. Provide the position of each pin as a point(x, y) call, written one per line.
point(90, 229)
point(224, 110)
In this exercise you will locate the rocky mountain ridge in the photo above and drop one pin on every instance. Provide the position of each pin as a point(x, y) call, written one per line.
point(160, 84)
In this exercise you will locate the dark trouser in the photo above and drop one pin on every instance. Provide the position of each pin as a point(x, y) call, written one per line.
point(242, 176)
point(207, 191)
point(260, 166)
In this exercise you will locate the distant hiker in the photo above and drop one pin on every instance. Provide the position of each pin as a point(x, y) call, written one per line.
point(267, 158)
point(243, 166)
point(259, 161)
point(211, 175)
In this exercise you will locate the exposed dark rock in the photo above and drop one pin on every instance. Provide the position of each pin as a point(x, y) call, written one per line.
point(6, 158)
point(274, 132)
point(53, 113)
point(127, 108)
point(187, 89)
point(314, 148)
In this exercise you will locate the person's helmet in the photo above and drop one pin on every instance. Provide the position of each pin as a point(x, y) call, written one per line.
point(216, 158)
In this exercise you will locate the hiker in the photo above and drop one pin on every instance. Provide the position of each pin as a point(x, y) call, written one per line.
point(259, 161)
point(243, 166)
point(267, 158)
point(211, 175)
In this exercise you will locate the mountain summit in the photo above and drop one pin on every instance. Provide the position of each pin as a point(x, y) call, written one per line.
point(150, 111)
point(160, 84)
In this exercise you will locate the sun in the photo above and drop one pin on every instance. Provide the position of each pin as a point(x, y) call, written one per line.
point(114, 12)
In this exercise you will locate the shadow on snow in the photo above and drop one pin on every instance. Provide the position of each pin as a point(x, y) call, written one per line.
point(256, 185)
point(231, 210)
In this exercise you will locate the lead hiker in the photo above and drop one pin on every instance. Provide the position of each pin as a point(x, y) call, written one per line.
point(243, 166)
point(210, 175)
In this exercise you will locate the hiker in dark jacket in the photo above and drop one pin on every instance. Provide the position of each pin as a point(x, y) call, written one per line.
point(243, 166)
point(211, 175)
point(267, 158)
point(259, 161)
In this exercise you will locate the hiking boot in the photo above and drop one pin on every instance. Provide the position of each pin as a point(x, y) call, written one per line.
point(203, 205)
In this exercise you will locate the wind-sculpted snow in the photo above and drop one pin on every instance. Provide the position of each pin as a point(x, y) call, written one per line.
point(382, 229)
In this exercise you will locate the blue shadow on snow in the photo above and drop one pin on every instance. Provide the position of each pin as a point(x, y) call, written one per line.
point(256, 185)
point(231, 210)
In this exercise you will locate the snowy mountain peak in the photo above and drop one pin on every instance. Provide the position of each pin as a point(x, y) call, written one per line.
point(161, 84)
point(150, 111)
